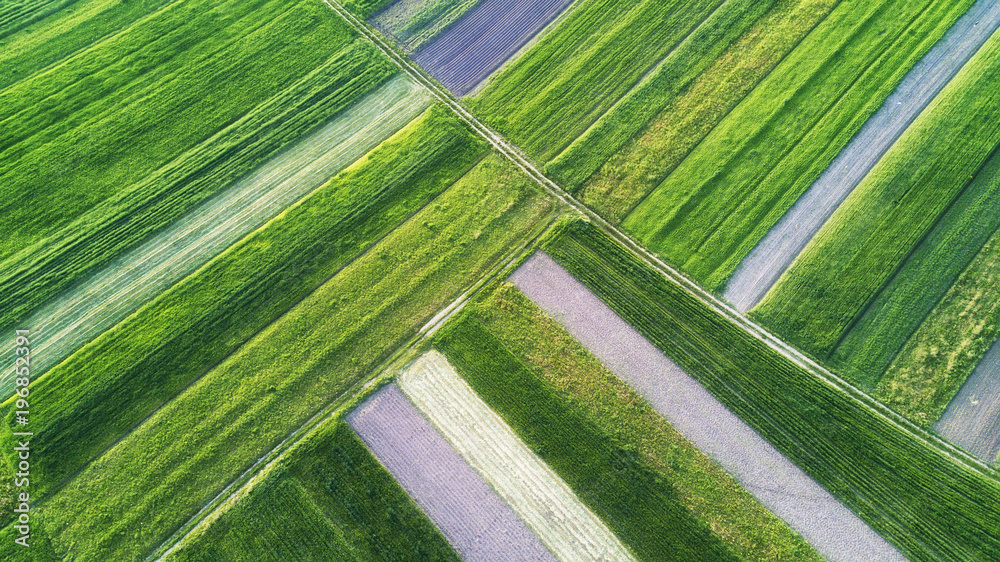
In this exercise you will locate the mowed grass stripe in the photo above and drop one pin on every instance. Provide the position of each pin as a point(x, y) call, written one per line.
point(536, 493)
point(643, 511)
point(727, 194)
point(866, 241)
point(329, 498)
point(647, 158)
point(552, 93)
point(37, 273)
point(78, 316)
point(326, 344)
point(143, 361)
point(912, 491)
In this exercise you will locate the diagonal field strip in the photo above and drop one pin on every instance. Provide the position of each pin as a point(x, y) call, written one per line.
point(471, 515)
point(136, 277)
point(971, 419)
point(715, 304)
point(762, 267)
point(830, 527)
point(536, 493)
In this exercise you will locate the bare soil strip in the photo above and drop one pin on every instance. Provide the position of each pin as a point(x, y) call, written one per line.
point(758, 272)
point(832, 529)
point(535, 492)
point(463, 506)
point(476, 45)
point(69, 322)
point(972, 419)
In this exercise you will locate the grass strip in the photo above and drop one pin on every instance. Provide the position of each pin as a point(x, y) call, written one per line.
point(143, 361)
point(651, 95)
point(715, 206)
point(329, 500)
point(867, 239)
point(550, 95)
point(137, 493)
point(642, 510)
point(920, 498)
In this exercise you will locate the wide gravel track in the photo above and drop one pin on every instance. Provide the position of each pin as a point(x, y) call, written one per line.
point(477, 523)
point(762, 267)
point(832, 529)
point(972, 419)
point(536, 493)
point(80, 315)
point(476, 45)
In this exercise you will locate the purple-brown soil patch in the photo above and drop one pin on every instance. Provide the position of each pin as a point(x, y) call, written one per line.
point(476, 45)
point(832, 529)
point(972, 419)
point(762, 267)
point(477, 523)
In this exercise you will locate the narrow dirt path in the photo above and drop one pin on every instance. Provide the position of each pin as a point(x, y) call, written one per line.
point(762, 267)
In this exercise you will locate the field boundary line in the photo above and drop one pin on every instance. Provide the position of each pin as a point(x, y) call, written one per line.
point(714, 303)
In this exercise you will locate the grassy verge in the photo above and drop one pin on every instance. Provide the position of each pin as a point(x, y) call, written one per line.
point(868, 238)
point(644, 512)
point(738, 182)
point(365, 8)
point(928, 504)
point(869, 346)
point(947, 346)
point(330, 500)
point(630, 424)
point(646, 159)
point(109, 157)
point(657, 90)
point(578, 70)
point(142, 362)
point(137, 493)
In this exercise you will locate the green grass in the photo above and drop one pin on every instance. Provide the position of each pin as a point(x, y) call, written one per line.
point(630, 424)
point(415, 23)
point(578, 70)
point(945, 349)
point(137, 493)
point(125, 137)
point(139, 364)
point(655, 92)
point(365, 8)
point(642, 510)
point(330, 500)
point(867, 239)
point(923, 278)
point(928, 504)
point(646, 159)
point(710, 212)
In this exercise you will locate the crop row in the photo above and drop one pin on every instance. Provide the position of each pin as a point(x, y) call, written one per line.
point(644, 161)
point(413, 23)
point(644, 512)
point(128, 500)
point(915, 494)
point(329, 498)
point(728, 193)
point(865, 245)
point(550, 95)
point(100, 186)
point(630, 423)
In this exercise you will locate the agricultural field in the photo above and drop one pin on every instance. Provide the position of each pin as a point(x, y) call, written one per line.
point(500, 280)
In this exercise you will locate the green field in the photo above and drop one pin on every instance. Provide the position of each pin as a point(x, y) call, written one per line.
point(144, 361)
point(735, 185)
point(414, 23)
point(867, 240)
point(329, 500)
point(945, 349)
point(552, 93)
point(644, 512)
point(927, 503)
point(630, 424)
point(134, 495)
point(123, 137)
point(646, 159)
